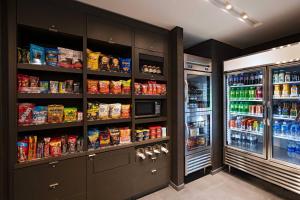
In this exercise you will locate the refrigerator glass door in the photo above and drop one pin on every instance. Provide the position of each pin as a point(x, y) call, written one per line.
point(245, 111)
point(198, 131)
point(197, 91)
point(284, 107)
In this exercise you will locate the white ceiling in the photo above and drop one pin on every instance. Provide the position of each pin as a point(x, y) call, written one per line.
point(201, 20)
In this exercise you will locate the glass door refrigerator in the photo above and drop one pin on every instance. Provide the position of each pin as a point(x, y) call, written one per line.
point(246, 112)
point(284, 106)
point(198, 113)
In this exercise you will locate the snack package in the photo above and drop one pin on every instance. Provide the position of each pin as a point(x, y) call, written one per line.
point(23, 55)
point(22, 146)
point(139, 135)
point(104, 138)
point(146, 134)
point(44, 87)
point(40, 115)
point(32, 142)
point(55, 113)
point(64, 144)
point(125, 135)
point(150, 89)
point(104, 87)
point(92, 86)
point(125, 65)
point(103, 111)
point(69, 86)
point(137, 88)
point(126, 87)
point(54, 87)
point(158, 89)
point(153, 86)
point(19, 55)
point(77, 60)
point(70, 114)
point(115, 87)
point(93, 60)
point(79, 146)
point(93, 135)
point(163, 89)
point(115, 111)
point(40, 149)
point(62, 87)
point(23, 83)
point(37, 54)
point(72, 141)
point(153, 132)
point(47, 147)
point(92, 111)
point(25, 113)
point(33, 81)
point(158, 132)
point(51, 56)
point(55, 147)
point(114, 67)
point(79, 116)
point(76, 87)
point(65, 57)
point(104, 63)
point(125, 111)
point(145, 89)
point(114, 136)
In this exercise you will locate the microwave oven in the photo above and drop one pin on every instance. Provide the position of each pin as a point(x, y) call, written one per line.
point(147, 108)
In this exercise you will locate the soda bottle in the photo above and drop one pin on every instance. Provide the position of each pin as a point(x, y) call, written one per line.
point(260, 77)
point(293, 111)
point(241, 107)
point(251, 93)
point(255, 78)
point(236, 105)
point(258, 92)
point(246, 93)
point(252, 77)
point(235, 79)
point(230, 80)
point(237, 93)
point(246, 79)
point(242, 93)
point(242, 79)
point(232, 93)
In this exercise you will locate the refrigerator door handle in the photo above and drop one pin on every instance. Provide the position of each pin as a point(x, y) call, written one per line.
point(268, 113)
point(186, 90)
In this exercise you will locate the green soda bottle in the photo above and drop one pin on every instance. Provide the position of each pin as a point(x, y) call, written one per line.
point(232, 107)
point(242, 93)
point(236, 107)
point(237, 93)
point(232, 93)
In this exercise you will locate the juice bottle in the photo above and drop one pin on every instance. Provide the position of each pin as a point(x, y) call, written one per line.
point(293, 111)
point(286, 90)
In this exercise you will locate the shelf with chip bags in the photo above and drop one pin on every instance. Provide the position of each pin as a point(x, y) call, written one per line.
point(150, 96)
point(108, 96)
point(108, 121)
point(109, 74)
point(36, 127)
point(150, 120)
point(48, 68)
point(49, 96)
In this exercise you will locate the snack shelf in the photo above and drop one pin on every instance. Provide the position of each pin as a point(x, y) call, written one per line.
point(150, 96)
point(108, 74)
point(49, 68)
point(285, 98)
point(150, 120)
point(108, 121)
point(108, 96)
point(253, 100)
point(284, 118)
point(245, 131)
point(287, 138)
point(290, 82)
point(245, 114)
point(36, 127)
point(240, 86)
point(48, 96)
point(155, 77)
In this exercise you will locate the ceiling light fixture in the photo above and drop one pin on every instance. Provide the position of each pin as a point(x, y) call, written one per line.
point(245, 16)
point(228, 6)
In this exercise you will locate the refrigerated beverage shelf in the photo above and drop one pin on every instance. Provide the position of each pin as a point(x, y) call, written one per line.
point(245, 114)
point(284, 118)
point(250, 100)
point(258, 148)
point(283, 155)
point(291, 82)
point(253, 85)
point(287, 138)
point(246, 131)
point(285, 98)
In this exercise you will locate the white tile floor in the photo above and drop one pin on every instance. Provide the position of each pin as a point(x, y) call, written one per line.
point(221, 186)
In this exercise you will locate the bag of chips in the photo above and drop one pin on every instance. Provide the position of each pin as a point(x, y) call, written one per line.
point(55, 147)
point(70, 114)
point(54, 87)
point(44, 87)
point(32, 147)
point(114, 67)
point(103, 111)
point(145, 89)
point(77, 60)
point(64, 144)
point(40, 149)
point(22, 146)
point(65, 57)
point(114, 136)
point(69, 86)
point(62, 87)
point(115, 87)
point(72, 141)
point(93, 135)
point(47, 147)
point(104, 138)
point(158, 89)
point(137, 88)
point(125, 65)
point(51, 56)
point(115, 111)
point(55, 113)
point(125, 135)
point(125, 111)
point(25, 113)
point(93, 111)
point(40, 115)
point(23, 83)
point(126, 87)
point(79, 146)
point(37, 54)
point(93, 60)
point(104, 87)
point(92, 86)
point(163, 89)
point(104, 63)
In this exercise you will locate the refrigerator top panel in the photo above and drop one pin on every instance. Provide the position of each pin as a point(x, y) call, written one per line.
point(283, 54)
point(197, 63)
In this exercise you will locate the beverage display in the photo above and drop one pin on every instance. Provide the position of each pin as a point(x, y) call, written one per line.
point(251, 78)
point(283, 76)
point(246, 93)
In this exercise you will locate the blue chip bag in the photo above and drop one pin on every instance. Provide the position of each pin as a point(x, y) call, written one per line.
point(125, 65)
point(40, 114)
point(37, 54)
point(93, 135)
point(51, 56)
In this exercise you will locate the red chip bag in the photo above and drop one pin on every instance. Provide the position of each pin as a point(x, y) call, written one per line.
point(25, 113)
point(55, 147)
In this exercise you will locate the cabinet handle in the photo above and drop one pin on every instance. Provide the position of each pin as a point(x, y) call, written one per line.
point(91, 156)
point(153, 171)
point(54, 185)
point(53, 28)
point(111, 40)
point(54, 163)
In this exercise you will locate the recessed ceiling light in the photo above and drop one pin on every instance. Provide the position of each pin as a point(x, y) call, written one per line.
point(281, 47)
point(228, 6)
point(245, 16)
point(273, 49)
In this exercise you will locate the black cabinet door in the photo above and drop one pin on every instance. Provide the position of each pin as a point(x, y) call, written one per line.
point(108, 30)
point(110, 174)
point(151, 41)
point(50, 15)
point(54, 181)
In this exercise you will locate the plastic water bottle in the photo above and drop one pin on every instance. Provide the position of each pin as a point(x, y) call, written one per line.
point(291, 149)
point(276, 128)
point(284, 129)
point(293, 131)
point(297, 150)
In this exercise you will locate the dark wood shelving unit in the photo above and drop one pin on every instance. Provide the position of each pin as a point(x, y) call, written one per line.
point(108, 96)
point(47, 68)
point(48, 96)
point(150, 120)
point(154, 77)
point(49, 126)
point(108, 121)
point(109, 74)
point(150, 97)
